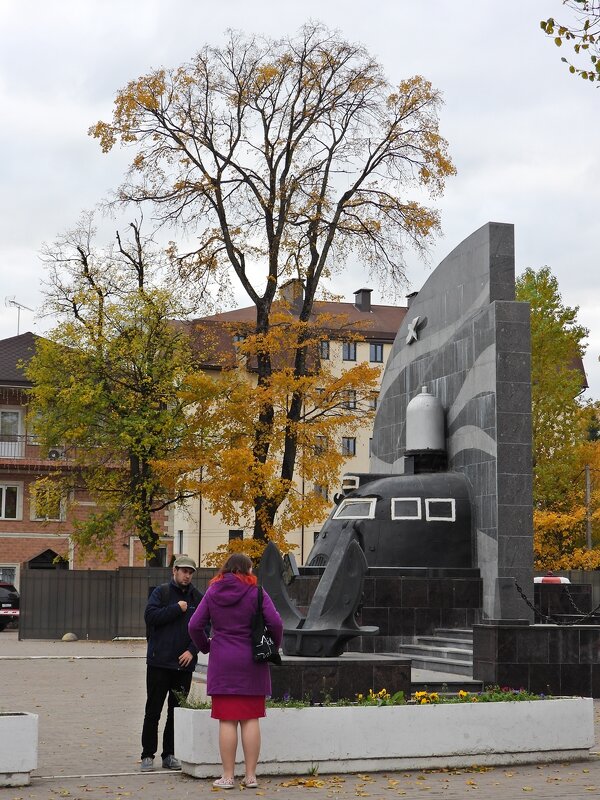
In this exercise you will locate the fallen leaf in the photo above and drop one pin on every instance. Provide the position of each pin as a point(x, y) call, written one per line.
point(528, 788)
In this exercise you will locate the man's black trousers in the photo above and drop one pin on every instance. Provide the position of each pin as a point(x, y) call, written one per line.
point(161, 683)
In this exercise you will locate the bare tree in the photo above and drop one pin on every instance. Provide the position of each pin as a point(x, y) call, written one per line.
point(283, 158)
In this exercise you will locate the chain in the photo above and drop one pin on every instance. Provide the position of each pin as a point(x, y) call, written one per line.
point(572, 601)
point(552, 619)
point(532, 607)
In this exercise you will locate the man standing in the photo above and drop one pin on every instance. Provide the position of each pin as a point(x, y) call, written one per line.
point(171, 658)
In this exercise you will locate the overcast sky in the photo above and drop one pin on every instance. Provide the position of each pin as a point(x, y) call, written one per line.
point(523, 133)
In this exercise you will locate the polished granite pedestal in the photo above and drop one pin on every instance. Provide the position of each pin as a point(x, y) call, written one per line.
point(317, 679)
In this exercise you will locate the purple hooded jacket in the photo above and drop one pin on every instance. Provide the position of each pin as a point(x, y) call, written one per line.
point(228, 606)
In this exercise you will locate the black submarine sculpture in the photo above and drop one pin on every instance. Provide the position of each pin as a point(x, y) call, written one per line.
point(420, 518)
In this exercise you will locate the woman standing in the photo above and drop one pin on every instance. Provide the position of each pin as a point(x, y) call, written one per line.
point(237, 684)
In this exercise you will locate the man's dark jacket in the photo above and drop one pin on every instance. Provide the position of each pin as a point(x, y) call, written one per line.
point(168, 627)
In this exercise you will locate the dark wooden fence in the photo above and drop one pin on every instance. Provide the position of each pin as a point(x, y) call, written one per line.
point(93, 604)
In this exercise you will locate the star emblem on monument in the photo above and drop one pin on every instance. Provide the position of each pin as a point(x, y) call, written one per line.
point(413, 332)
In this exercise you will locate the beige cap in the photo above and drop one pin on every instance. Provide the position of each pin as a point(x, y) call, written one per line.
point(185, 561)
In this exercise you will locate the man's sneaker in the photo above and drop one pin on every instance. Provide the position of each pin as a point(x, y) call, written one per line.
point(147, 764)
point(170, 762)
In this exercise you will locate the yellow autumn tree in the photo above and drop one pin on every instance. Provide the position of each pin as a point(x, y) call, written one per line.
point(109, 385)
point(560, 425)
point(221, 467)
point(562, 534)
point(282, 159)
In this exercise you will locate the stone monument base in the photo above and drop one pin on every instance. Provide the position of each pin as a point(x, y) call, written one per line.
point(317, 679)
point(549, 659)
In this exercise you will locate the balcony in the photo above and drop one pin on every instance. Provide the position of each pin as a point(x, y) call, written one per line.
point(20, 450)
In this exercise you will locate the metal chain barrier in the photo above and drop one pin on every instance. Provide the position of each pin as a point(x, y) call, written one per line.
point(554, 620)
point(572, 602)
point(533, 608)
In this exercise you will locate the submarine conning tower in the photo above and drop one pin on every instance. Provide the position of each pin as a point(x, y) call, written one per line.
point(425, 435)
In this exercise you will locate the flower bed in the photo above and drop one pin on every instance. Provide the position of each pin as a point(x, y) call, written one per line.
point(18, 748)
point(374, 735)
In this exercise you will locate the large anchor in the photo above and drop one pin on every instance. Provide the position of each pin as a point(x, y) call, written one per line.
point(330, 622)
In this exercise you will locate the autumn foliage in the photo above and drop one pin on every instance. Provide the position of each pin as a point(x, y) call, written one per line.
point(282, 159)
point(561, 422)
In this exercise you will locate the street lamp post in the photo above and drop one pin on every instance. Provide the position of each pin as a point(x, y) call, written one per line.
point(588, 506)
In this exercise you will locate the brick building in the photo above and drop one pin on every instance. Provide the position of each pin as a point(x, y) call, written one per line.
point(26, 539)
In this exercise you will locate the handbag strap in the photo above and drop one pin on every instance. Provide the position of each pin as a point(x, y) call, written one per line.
point(260, 599)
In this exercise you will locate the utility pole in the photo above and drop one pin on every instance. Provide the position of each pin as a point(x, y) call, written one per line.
point(588, 506)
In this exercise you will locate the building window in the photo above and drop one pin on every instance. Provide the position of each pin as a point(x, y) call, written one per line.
point(324, 349)
point(322, 490)
point(238, 337)
point(9, 501)
point(439, 509)
point(179, 542)
point(349, 351)
point(315, 536)
point(8, 574)
point(320, 445)
point(376, 352)
point(349, 445)
point(11, 439)
point(46, 505)
point(374, 401)
point(350, 401)
point(406, 508)
point(236, 534)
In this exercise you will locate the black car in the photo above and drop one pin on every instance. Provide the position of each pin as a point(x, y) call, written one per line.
point(9, 604)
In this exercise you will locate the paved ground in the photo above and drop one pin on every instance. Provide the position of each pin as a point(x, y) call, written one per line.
point(90, 698)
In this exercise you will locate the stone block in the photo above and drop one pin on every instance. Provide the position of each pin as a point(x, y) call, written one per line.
point(415, 593)
point(532, 646)
point(513, 367)
point(563, 646)
point(576, 679)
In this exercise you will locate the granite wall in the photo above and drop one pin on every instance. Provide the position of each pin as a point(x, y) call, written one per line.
point(550, 659)
point(468, 341)
point(404, 606)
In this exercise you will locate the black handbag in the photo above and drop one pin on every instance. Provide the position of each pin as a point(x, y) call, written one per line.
point(263, 645)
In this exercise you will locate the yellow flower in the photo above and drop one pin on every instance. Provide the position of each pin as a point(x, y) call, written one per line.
point(424, 700)
point(359, 697)
point(462, 694)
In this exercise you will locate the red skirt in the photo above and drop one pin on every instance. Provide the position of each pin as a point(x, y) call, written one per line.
point(237, 706)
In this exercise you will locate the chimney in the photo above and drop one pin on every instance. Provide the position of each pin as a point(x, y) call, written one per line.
point(292, 292)
point(362, 299)
point(409, 298)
